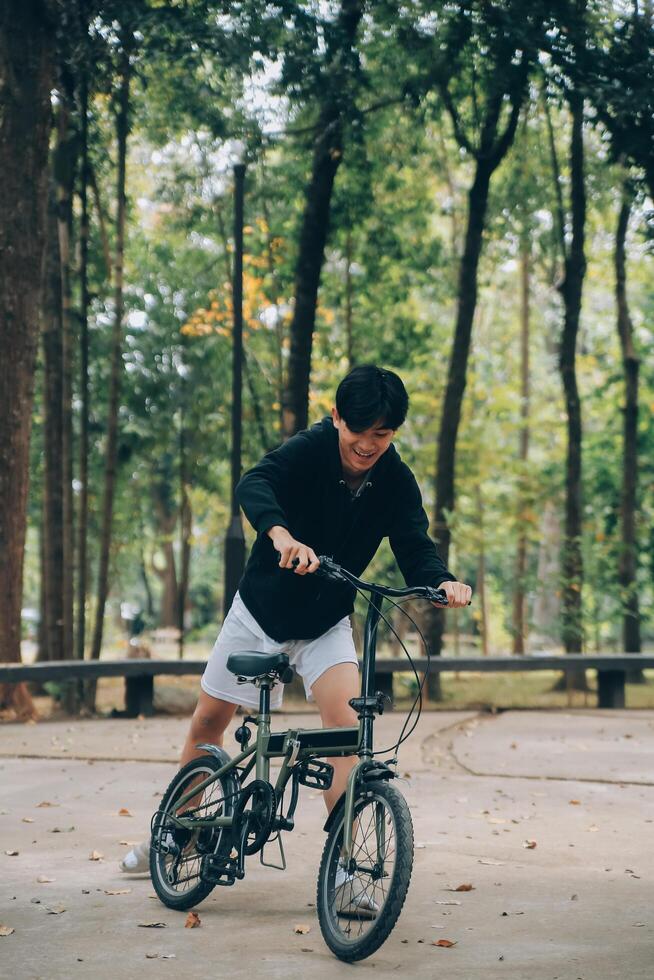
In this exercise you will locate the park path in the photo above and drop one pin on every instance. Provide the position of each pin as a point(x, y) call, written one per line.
point(579, 904)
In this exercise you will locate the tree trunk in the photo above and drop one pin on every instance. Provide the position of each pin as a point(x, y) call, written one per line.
point(149, 598)
point(102, 224)
point(548, 574)
point(122, 127)
point(481, 575)
point(42, 652)
point(257, 407)
point(165, 513)
point(64, 170)
point(571, 291)
point(279, 322)
point(629, 550)
point(168, 614)
point(82, 523)
point(327, 156)
point(27, 37)
point(456, 384)
point(349, 338)
point(519, 625)
point(185, 521)
point(53, 532)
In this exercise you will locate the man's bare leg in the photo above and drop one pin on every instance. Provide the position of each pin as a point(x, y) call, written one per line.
point(210, 719)
point(332, 691)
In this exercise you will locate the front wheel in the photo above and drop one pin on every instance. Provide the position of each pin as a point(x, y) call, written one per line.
point(358, 906)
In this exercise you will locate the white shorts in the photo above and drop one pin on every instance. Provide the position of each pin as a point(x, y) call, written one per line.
point(241, 633)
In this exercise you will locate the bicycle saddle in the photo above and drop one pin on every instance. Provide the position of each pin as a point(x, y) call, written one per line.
point(257, 664)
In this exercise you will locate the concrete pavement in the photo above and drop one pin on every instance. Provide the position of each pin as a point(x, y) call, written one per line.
point(578, 904)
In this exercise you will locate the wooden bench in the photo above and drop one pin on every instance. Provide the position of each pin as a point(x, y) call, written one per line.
point(139, 674)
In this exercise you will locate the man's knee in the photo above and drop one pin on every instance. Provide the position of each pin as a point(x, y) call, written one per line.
point(339, 716)
point(212, 716)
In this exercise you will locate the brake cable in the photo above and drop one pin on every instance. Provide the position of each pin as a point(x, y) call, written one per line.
point(418, 698)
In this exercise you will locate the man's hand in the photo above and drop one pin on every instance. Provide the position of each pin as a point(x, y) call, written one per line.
point(290, 549)
point(457, 593)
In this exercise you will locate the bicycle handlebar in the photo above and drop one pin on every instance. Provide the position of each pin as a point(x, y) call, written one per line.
point(329, 569)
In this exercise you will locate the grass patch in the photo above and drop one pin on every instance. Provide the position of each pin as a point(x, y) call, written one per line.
point(528, 689)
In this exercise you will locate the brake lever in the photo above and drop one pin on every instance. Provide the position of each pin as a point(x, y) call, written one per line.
point(326, 570)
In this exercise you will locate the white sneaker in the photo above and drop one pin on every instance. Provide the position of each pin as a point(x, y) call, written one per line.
point(353, 899)
point(137, 861)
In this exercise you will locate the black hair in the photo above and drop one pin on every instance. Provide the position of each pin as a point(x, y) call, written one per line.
point(369, 394)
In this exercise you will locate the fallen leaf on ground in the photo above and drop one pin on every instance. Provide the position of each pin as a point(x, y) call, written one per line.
point(575, 802)
point(61, 830)
point(574, 898)
point(464, 888)
point(96, 856)
point(306, 949)
point(117, 891)
point(54, 909)
point(12, 854)
point(152, 925)
point(193, 920)
point(43, 879)
point(46, 803)
point(529, 844)
point(124, 812)
point(444, 942)
point(302, 930)
point(6, 930)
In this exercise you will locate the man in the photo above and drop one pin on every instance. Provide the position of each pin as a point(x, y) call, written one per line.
point(338, 489)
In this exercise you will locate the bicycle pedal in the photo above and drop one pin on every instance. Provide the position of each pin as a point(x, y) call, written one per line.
point(315, 774)
point(214, 872)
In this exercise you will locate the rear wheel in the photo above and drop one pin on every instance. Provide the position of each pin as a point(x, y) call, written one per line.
point(358, 906)
point(175, 852)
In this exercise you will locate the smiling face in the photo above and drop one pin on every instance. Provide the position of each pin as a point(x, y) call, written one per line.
point(360, 450)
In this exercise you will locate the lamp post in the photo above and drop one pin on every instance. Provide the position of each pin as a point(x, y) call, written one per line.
point(235, 539)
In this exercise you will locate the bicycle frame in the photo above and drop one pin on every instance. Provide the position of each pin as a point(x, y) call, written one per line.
point(297, 745)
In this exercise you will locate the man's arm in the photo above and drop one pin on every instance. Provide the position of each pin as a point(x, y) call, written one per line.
point(261, 491)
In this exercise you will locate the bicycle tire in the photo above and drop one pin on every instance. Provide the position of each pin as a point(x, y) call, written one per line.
point(331, 922)
point(228, 785)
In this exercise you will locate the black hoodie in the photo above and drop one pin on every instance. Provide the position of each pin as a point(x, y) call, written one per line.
point(300, 486)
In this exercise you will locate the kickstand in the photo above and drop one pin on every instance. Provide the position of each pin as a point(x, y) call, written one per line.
point(280, 867)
